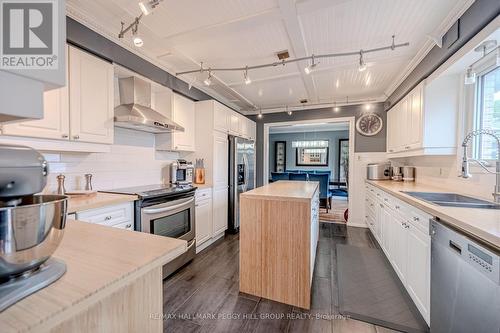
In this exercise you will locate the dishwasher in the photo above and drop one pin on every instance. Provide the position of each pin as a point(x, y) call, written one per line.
point(465, 287)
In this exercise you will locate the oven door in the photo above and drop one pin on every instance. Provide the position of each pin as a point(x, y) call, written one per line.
point(171, 219)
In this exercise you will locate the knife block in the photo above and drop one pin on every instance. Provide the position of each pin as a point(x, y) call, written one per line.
point(199, 176)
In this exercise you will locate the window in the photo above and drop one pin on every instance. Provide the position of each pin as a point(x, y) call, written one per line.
point(487, 113)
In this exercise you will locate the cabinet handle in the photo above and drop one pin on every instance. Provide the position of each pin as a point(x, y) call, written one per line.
point(76, 137)
point(407, 147)
point(415, 218)
point(107, 218)
point(381, 206)
point(391, 150)
point(397, 207)
point(176, 147)
point(65, 136)
point(385, 199)
point(196, 205)
point(128, 226)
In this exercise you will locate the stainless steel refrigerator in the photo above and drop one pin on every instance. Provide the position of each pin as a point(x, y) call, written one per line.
point(241, 176)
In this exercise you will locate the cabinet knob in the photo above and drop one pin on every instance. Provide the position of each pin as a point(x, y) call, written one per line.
point(65, 136)
point(76, 137)
point(107, 218)
point(397, 207)
point(176, 147)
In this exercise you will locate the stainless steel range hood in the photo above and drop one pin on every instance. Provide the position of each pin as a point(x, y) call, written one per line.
point(135, 112)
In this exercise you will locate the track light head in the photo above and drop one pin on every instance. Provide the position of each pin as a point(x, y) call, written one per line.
point(336, 109)
point(208, 80)
point(148, 6)
point(138, 41)
point(470, 76)
point(260, 114)
point(246, 77)
point(311, 66)
point(362, 64)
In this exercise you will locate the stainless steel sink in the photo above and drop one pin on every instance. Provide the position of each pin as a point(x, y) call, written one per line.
point(453, 200)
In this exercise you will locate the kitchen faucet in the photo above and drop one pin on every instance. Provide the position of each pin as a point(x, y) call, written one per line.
point(465, 159)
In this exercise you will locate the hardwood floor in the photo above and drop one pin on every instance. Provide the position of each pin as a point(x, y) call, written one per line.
point(204, 296)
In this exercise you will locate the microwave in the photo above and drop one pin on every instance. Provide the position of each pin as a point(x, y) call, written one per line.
point(181, 172)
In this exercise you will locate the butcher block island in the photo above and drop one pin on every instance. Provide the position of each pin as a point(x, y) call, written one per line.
point(113, 283)
point(279, 228)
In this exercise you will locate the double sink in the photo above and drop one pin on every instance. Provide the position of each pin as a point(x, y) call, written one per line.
point(452, 200)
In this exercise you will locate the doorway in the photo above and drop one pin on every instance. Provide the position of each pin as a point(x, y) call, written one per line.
point(317, 150)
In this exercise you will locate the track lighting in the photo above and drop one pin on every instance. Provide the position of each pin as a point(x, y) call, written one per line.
point(470, 76)
point(313, 63)
point(310, 68)
point(134, 28)
point(208, 80)
point(148, 6)
point(336, 109)
point(138, 41)
point(288, 112)
point(246, 77)
point(362, 64)
point(260, 114)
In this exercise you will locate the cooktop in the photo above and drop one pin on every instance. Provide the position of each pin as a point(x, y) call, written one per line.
point(154, 190)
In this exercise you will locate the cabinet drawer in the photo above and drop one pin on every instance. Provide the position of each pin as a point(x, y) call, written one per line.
point(126, 225)
point(419, 219)
point(203, 194)
point(110, 215)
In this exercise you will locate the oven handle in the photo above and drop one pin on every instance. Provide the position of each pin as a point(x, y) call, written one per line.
point(166, 208)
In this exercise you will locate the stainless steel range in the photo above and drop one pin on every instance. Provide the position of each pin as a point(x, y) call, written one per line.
point(169, 211)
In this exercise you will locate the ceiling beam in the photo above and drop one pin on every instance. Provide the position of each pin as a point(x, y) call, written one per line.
point(296, 38)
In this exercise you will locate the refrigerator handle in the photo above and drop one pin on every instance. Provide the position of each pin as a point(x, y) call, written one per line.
point(245, 162)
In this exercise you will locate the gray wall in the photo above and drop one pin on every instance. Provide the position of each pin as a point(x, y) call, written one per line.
point(361, 143)
point(332, 137)
point(480, 13)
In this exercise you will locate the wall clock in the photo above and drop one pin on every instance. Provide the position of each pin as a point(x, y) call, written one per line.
point(369, 124)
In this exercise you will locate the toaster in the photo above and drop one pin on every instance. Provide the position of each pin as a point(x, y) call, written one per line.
point(378, 171)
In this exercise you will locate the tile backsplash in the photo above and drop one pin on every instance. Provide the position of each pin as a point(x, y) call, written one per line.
point(443, 171)
point(133, 161)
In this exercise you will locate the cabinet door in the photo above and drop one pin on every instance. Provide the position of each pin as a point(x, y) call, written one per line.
point(183, 114)
point(220, 164)
point(91, 97)
point(204, 217)
point(391, 129)
point(415, 119)
point(220, 210)
point(221, 117)
point(243, 126)
point(418, 269)
point(386, 231)
point(234, 124)
point(399, 247)
point(252, 129)
point(55, 121)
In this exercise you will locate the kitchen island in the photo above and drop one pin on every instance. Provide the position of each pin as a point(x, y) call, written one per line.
point(113, 283)
point(279, 228)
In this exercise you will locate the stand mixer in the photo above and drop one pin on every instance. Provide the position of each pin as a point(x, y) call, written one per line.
point(31, 226)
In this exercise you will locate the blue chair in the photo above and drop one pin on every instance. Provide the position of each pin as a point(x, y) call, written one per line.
point(298, 176)
point(324, 192)
point(275, 176)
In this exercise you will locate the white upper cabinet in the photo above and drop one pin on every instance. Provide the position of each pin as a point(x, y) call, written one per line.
point(55, 121)
point(221, 116)
point(225, 120)
point(91, 98)
point(424, 121)
point(82, 111)
point(234, 123)
point(182, 111)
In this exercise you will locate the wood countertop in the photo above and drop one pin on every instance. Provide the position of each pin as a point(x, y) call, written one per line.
point(481, 224)
point(100, 260)
point(285, 189)
point(98, 200)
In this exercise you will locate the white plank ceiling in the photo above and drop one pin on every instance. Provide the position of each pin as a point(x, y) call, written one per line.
point(178, 35)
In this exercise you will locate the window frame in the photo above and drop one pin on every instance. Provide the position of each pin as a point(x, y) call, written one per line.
point(473, 101)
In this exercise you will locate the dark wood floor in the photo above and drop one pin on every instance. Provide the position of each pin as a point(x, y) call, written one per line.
point(204, 297)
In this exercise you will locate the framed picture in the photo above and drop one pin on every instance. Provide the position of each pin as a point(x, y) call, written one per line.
point(312, 156)
point(343, 166)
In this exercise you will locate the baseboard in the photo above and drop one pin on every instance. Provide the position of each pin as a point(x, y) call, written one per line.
point(209, 242)
point(357, 225)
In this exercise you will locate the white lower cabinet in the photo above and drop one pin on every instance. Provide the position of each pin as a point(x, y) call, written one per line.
point(401, 231)
point(204, 220)
point(117, 216)
point(220, 210)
